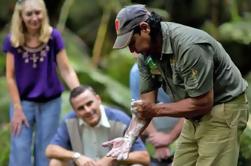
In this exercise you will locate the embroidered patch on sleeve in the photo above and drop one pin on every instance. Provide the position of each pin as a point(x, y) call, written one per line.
point(192, 80)
point(194, 74)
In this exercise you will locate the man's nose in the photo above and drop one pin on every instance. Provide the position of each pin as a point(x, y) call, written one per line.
point(87, 109)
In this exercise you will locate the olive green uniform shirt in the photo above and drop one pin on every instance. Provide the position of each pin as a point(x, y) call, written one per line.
point(191, 64)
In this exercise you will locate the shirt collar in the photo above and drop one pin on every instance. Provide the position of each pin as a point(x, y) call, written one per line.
point(166, 45)
point(103, 120)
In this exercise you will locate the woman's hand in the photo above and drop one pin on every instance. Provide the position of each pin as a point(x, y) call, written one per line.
point(85, 161)
point(18, 120)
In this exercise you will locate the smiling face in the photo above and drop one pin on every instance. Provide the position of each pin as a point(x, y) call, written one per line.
point(32, 15)
point(87, 107)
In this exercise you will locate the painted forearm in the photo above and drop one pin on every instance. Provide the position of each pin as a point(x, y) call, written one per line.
point(135, 128)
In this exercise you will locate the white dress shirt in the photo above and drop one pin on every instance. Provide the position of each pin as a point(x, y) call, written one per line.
point(93, 137)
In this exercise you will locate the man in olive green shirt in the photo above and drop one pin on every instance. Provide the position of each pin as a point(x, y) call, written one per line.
point(206, 86)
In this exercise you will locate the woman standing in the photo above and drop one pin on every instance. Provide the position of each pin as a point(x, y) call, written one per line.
point(34, 50)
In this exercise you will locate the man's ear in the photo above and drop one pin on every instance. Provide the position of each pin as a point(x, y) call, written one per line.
point(144, 26)
point(99, 99)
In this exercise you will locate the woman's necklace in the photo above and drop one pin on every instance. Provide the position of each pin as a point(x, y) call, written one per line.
point(34, 55)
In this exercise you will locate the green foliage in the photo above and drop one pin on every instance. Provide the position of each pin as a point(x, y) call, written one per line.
point(111, 91)
point(118, 65)
point(84, 19)
point(6, 7)
point(211, 28)
point(236, 31)
point(4, 144)
point(248, 78)
point(82, 10)
point(245, 146)
point(4, 104)
point(66, 107)
point(2, 55)
point(112, 82)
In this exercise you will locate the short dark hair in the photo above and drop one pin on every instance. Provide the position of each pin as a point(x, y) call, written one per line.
point(154, 23)
point(80, 89)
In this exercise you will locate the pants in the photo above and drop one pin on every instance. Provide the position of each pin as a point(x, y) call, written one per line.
point(214, 139)
point(43, 119)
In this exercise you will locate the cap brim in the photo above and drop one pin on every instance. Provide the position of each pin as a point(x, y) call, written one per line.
point(123, 40)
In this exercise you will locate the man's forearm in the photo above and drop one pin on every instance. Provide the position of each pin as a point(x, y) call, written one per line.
point(189, 107)
point(55, 151)
point(137, 157)
point(108, 161)
point(136, 127)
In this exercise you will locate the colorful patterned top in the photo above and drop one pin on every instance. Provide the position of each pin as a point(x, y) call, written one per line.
point(36, 68)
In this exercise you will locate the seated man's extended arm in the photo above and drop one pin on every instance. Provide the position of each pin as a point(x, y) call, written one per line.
point(64, 155)
point(139, 157)
point(55, 151)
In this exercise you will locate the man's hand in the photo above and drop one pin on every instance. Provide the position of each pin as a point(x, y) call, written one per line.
point(120, 147)
point(159, 139)
point(143, 109)
point(107, 161)
point(85, 161)
point(162, 153)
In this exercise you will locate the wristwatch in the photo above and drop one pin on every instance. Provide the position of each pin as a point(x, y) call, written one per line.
point(75, 156)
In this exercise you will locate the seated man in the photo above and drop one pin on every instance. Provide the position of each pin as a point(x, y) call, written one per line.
point(78, 140)
point(162, 131)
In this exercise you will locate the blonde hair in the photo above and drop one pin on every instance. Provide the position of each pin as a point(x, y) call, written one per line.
point(18, 29)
